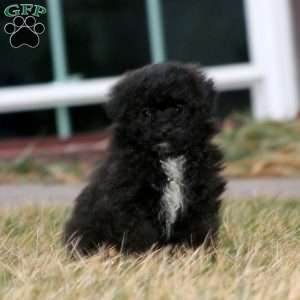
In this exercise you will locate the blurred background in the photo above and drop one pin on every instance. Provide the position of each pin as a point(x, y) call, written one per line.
point(51, 97)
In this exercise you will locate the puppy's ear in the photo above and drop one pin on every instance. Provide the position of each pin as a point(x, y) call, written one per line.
point(117, 101)
point(207, 89)
point(211, 96)
point(210, 90)
point(113, 107)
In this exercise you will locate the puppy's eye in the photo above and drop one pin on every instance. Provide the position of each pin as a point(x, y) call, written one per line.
point(179, 108)
point(146, 112)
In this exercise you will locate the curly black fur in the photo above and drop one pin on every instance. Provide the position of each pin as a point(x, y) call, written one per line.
point(160, 111)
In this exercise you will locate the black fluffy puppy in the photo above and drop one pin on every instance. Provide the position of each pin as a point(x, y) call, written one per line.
point(160, 183)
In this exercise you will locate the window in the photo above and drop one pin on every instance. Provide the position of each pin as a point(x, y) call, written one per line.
point(211, 32)
point(105, 38)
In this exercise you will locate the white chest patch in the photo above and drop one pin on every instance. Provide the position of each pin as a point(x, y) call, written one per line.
point(172, 201)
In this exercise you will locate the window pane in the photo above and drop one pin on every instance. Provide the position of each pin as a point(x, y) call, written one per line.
point(89, 118)
point(230, 102)
point(211, 32)
point(106, 37)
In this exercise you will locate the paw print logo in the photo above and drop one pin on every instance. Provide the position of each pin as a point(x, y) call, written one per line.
point(24, 32)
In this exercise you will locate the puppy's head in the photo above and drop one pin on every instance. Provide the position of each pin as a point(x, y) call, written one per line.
point(163, 108)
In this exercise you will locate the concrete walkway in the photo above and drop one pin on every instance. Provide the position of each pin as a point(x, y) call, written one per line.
point(237, 188)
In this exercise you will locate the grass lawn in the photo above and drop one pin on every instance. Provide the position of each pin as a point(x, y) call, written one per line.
point(258, 258)
point(254, 148)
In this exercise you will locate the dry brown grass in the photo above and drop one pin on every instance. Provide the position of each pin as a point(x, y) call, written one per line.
point(260, 148)
point(251, 149)
point(258, 258)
